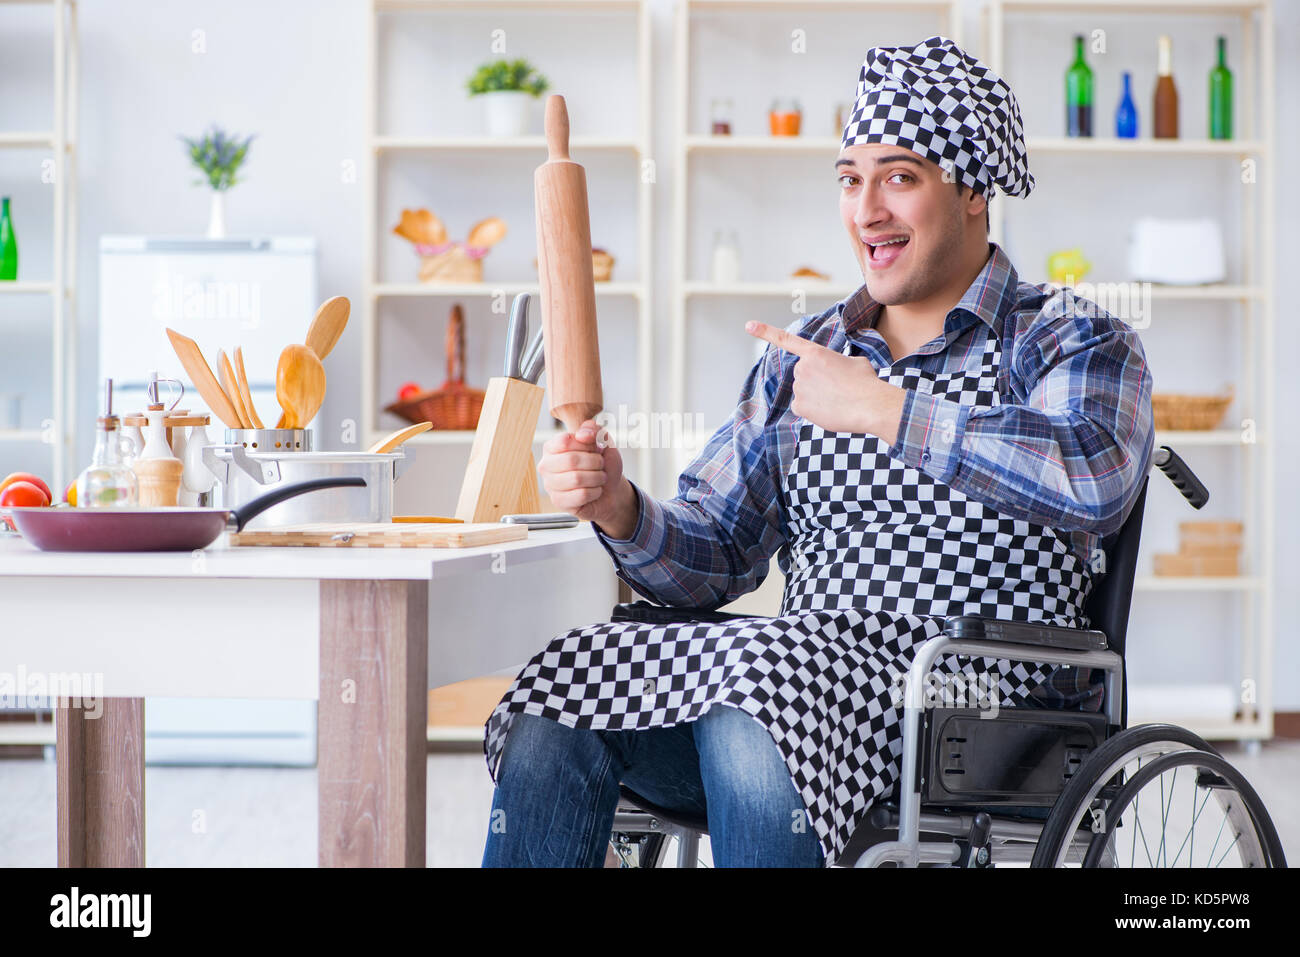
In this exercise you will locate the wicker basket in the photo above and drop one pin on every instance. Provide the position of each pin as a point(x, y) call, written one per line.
point(453, 405)
point(456, 264)
point(1189, 412)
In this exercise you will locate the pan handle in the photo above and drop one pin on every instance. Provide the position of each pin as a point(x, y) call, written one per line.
point(239, 517)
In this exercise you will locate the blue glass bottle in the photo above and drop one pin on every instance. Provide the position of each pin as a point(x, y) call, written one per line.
point(1126, 116)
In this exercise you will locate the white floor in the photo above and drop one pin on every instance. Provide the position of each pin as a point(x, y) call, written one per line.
point(260, 817)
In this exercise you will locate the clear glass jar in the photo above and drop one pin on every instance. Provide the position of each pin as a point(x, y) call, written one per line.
point(108, 482)
point(720, 110)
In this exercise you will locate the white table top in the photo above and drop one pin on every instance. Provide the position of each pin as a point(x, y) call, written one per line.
point(21, 559)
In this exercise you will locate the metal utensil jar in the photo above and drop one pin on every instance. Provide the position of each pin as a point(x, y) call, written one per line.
point(243, 474)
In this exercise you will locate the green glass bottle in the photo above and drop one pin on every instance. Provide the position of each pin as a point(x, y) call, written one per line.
point(1221, 96)
point(1078, 94)
point(8, 243)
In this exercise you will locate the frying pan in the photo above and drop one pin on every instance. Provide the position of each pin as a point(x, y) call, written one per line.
point(151, 529)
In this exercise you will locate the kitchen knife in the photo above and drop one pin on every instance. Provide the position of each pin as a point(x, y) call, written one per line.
point(516, 334)
point(534, 361)
point(568, 289)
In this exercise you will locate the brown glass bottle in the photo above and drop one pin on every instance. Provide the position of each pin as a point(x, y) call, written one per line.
point(1165, 111)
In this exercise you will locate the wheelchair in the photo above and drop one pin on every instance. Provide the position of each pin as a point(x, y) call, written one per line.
point(1030, 785)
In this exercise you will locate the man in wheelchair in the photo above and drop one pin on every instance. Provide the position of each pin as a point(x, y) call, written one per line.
point(949, 440)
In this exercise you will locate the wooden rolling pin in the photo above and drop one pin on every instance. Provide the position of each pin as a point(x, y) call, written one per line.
point(568, 290)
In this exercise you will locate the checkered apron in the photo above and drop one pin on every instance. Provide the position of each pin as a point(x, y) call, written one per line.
point(880, 554)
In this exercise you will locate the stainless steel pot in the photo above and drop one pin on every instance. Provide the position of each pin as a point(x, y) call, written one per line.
point(244, 473)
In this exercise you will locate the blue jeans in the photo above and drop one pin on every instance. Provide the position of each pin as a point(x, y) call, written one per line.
point(557, 791)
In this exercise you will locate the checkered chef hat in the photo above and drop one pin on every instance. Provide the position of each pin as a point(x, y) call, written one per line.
point(940, 102)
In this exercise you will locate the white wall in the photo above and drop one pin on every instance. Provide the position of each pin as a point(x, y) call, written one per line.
point(292, 71)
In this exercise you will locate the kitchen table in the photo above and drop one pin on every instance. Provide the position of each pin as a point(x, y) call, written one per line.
point(364, 631)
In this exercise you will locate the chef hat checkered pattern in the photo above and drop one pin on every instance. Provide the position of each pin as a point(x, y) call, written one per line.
point(937, 100)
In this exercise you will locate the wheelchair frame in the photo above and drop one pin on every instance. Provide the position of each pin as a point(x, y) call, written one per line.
point(979, 833)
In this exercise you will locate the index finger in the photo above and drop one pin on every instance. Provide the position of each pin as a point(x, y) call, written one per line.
point(782, 339)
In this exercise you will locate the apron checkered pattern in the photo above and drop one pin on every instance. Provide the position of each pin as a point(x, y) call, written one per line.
point(880, 554)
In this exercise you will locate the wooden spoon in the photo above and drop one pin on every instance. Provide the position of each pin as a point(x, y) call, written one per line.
point(244, 392)
point(187, 350)
point(226, 373)
point(299, 385)
point(328, 325)
point(398, 437)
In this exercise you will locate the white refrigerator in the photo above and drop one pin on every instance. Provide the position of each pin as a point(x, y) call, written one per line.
point(259, 294)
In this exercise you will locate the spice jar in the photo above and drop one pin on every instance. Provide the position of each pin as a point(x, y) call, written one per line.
point(720, 110)
point(784, 117)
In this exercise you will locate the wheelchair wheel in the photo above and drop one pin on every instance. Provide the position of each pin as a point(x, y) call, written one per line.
point(1158, 796)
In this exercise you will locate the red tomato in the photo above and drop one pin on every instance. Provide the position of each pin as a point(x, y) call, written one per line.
point(27, 477)
point(23, 495)
point(407, 390)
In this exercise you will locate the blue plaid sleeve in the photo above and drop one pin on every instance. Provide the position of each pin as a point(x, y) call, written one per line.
point(713, 541)
point(1071, 455)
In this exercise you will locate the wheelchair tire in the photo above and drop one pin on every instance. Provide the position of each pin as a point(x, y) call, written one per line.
point(1256, 835)
point(1098, 783)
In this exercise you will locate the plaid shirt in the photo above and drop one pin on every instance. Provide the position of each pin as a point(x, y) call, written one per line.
point(1067, 448)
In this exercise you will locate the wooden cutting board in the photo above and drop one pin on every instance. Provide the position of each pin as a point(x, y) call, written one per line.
point(385, 535)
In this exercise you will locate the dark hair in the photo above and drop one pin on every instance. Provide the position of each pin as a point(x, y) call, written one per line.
point(987, 227)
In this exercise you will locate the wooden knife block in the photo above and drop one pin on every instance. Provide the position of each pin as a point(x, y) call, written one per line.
point(501, 477)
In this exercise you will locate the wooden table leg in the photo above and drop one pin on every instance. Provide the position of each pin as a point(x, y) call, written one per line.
point(100, 783)
point(373, 723)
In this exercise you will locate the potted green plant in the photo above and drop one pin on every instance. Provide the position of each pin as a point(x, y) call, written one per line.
point(508, 89)
point(218, 155)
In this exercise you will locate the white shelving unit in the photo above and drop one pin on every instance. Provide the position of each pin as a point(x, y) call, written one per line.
point(1252, 296)
point(692, 297)
point(584, 146)
point(60, 141)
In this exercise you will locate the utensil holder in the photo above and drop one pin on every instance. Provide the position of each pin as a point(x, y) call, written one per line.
point(270, 440)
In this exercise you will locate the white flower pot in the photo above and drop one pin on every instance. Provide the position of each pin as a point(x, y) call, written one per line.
point(217, 216)
point(507, 112)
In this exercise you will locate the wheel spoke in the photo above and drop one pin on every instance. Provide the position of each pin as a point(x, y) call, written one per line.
point(1191, 857)
point(1235, 839)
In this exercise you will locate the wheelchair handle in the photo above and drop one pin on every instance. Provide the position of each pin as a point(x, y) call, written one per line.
point(1184, 478)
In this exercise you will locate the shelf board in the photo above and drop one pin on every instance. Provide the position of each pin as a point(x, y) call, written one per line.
point(829, 145)
point(465, 436)
point(386, 290)
point(840, 290)
point(1195, 583)
point(940, 6)
point(27, 140)
point(815, 287)
point(20, 435)
point(479, 6)
point(1234, 7)
point(26, 732)
point(1181, 437)
point(23, 286)
point(1110, 144)
point(1207, 291)
point(534, 144)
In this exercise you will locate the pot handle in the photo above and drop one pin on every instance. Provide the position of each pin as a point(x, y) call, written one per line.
point(263, 473)
point(239, 517)
point(216, 465)
point(400, 464)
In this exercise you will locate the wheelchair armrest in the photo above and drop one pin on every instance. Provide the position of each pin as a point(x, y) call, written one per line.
point(1024, 633)
point(644, 611)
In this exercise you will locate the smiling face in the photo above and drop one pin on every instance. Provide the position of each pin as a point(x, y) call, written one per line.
point(908, 224)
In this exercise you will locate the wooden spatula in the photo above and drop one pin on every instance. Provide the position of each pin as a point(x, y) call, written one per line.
point(398, 437)
point(327, 326)
point(226, 373)
point(244, 392)
point(299, 385)
point(187, 350)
